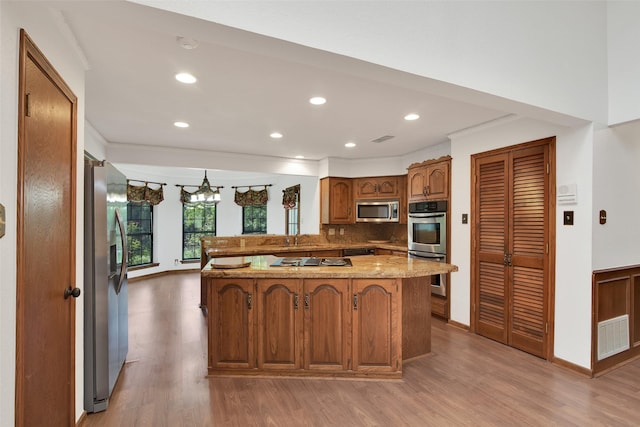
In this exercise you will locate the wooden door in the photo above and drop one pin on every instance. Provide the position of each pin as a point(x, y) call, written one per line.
point(512, 234)
point(336, 201)
point(231, 332)
point(45, 363)
point(279, 324)
point(376, 325)
point(326, 324)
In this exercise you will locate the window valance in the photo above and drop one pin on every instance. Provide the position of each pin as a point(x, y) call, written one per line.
point(290, 196)
point(144, 193)
point(252, 197)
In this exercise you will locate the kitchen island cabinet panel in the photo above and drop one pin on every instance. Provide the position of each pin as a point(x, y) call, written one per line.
point(232, 324)
point(327, 324)
point(376, 325)
point(279, 324)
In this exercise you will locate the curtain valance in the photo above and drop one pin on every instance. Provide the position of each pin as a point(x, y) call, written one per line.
point(290, 196)
point(251, 197)
point(144, 193)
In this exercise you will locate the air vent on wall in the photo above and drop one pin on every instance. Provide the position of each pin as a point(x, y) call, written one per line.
point(383, 138)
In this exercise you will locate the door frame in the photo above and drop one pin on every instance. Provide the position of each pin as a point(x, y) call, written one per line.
point(551, 237)
point(28, 49)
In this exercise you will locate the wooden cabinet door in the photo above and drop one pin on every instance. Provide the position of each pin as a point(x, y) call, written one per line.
point(437, 180)
point(279, 322)
point(376, 325)
point(336, 201)
point(231, 336)
point(326, 324)
point(385, 187)
point(511, 261)
point(417, 184)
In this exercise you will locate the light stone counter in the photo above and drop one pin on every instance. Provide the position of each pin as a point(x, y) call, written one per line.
point(368, 266)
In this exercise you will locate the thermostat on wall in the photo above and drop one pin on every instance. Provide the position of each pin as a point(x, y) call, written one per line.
point(567, 194)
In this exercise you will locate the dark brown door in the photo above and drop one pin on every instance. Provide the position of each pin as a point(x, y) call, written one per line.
point(45, 369)
point(512, 222)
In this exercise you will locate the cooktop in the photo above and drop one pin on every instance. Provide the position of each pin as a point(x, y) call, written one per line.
point(312, 262)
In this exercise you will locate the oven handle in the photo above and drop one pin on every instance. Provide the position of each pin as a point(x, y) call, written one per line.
point(427, 256)
point(414, 215)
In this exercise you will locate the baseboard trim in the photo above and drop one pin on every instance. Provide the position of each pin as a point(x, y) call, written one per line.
point(572, 367)
point(82, 419)
point(161, 273)
point(458, 325)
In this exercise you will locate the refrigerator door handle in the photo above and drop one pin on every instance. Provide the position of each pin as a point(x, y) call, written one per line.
point(123, 265)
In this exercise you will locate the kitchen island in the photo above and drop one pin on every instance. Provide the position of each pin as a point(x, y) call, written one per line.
point(361, 320)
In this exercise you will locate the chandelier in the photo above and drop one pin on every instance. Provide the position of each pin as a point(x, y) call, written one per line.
point(204, 193)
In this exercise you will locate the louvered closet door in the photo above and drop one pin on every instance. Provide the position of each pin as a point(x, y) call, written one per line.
point(527, 249)
point(511, 236)
point(492, 214)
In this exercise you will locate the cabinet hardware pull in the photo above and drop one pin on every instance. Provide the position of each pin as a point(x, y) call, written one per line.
point(428, 190)
point(249, 300)
point(355, 302)
point(306, 301)
point(504, 259)
point(295, 301)
point(509, 259)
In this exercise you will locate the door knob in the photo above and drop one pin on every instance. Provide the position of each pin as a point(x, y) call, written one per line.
point(71, 292)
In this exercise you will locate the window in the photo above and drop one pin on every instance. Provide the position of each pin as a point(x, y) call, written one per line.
point(254, 219)
point(198, 220)
point(139, 234)
point(293, 220)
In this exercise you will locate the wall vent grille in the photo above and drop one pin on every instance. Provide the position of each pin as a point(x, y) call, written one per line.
point(383, 138)
point(613, 336)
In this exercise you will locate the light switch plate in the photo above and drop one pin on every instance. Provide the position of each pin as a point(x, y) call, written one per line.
point(568, 217)
point(2, 219)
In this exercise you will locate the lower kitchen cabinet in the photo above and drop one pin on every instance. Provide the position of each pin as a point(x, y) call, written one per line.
point(279, 324)
point(376, 325)
point(231, 325)
point(327, 324)
point(336, 327)
point(440, 306)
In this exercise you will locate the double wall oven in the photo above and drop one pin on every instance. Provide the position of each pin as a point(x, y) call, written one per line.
point(427, 237)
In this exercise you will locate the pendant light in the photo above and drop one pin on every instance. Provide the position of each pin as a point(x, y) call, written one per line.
point(204, 193)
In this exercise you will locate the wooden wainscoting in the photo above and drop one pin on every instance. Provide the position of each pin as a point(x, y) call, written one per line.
point(616, 292)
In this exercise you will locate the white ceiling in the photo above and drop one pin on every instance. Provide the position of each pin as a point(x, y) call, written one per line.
point(248, 86)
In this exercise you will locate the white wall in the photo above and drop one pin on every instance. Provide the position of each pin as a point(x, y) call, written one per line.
point(168, 214)
point(616, 189)
point(545, 53)
point(573, 268)
point(48, 33)
point(624, 60)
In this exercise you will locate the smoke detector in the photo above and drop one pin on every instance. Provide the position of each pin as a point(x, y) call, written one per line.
point(186, 42)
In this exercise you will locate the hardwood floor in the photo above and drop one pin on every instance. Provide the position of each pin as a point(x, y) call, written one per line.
point(467, 380)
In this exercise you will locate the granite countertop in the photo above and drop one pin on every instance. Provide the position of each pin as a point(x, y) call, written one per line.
point(368, 266)
point(268, 249)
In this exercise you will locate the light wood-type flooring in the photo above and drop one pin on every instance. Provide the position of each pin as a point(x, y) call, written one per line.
point(467, 380)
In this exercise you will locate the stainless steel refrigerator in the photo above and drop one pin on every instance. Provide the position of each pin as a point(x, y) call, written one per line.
point(105, 282)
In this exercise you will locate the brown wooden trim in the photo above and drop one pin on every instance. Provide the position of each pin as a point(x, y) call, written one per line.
point(458, 325)
point(627, 274)
point(429, 162)
point(82, 419)
point(28, 49)
point(572, 367)
point(162, 273)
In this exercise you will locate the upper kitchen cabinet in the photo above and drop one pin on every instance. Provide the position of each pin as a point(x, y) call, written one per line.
point(379, 187)
point(336, 201)
point(429, 180)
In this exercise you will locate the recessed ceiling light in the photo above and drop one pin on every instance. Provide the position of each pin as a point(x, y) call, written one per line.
point(276, 135)
point(181, 124)
point(299, 157)
point(350, 144)
point(317, 100)
point(412, 116)
point(185, 78)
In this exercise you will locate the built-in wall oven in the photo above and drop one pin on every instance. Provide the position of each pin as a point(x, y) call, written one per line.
point(427, 237)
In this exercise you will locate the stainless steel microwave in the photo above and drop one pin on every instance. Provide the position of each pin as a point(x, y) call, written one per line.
point(377, 210)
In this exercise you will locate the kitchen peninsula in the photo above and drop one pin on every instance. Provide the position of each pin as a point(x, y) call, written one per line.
point(360, 320)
